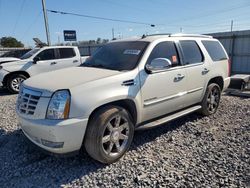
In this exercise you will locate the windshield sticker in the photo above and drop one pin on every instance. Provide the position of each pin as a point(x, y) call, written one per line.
point(132, 52)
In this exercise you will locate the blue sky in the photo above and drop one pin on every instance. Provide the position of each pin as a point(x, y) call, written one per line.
point(23, 19)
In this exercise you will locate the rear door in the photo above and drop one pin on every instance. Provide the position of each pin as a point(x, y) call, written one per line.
point(68, 58)
point(163, 92)
point(197, 69)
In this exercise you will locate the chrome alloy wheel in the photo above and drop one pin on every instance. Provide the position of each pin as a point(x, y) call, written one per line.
point(16, 82)
point(213, 99)
point(115, 136)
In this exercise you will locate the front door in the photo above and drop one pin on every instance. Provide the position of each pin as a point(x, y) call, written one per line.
point(48, 61)
point(163, 92)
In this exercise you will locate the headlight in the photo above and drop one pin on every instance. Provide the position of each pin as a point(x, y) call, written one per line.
point(59, 105)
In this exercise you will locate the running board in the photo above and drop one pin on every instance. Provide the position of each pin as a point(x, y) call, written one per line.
point(169, 118)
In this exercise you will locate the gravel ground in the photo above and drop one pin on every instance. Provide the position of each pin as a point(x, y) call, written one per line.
point(192, 151)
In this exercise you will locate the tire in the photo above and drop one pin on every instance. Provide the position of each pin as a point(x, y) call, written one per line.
point(109, 134)
point(14, 81)
point(211, 100)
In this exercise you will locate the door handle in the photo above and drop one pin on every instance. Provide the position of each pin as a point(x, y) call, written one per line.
point(53, 63)
point(205, 71)
point(75, 61)
point(179, 77)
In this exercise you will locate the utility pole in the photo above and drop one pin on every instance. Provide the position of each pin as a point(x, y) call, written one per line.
point(232, 24)
point(231, 53)
point(113, 33)
point(58, 40)
point(46, 22)
point(181, 29)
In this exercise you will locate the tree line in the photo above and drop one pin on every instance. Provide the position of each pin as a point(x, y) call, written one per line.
point(11, 42)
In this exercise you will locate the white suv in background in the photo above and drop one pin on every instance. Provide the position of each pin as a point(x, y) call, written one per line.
point(126, 85)
point(36, 61)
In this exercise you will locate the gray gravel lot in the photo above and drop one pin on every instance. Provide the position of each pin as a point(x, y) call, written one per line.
point(193, 151)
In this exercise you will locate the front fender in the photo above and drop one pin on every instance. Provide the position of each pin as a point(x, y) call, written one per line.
point(17, 66)
point(84, 102)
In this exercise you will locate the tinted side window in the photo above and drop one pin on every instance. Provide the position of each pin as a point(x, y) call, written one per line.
point(191, 51)
point(215, 50)
point(165, 50)
point(66, 53)
point(47, 54)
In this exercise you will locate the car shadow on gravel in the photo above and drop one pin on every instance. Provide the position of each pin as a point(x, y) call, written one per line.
point(28, 166)
point(4, 92)
point(242, 95)
point(144, 136)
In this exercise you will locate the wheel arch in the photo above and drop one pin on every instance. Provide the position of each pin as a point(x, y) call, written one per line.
point(218, 80)
point(127, 104)
point(15, 72)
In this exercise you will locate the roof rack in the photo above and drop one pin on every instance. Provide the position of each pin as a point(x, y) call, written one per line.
point(190, 35)
point(158, 34)
point(177, 35)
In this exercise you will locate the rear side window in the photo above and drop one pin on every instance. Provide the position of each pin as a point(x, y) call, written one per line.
point(191, 51)
point(165, 50)
point(48, 54)
point(66, 53)
point(215, 50)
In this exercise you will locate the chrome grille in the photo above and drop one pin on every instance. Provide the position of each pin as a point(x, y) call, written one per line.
point(27, 101)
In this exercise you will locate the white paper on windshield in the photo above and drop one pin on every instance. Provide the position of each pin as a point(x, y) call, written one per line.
point(132, 52)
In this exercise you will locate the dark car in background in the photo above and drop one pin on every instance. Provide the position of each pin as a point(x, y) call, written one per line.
point(13, 55)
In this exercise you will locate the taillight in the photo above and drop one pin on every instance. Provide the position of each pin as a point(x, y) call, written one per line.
point(229, 67)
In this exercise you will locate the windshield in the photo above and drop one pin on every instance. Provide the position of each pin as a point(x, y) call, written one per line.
point(119, 56)
point(30, 53)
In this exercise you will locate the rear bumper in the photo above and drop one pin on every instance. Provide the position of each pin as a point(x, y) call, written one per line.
point(226, 83)
point(55, 136)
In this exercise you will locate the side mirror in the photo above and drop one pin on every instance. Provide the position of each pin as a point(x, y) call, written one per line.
point(158, 64)
point(36, 59)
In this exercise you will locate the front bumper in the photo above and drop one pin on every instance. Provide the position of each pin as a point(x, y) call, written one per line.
point(55, 136)
point(3, 73)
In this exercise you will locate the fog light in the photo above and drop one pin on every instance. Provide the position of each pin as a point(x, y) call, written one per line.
point(52, 144)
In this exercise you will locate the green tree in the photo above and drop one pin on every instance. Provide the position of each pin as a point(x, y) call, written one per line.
point(10, 42)
point(91, 41)
point(98, 40)
point(105, 41)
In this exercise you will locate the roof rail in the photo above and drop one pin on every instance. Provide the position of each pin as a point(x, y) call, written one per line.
point(158, 34)
point(190, 35)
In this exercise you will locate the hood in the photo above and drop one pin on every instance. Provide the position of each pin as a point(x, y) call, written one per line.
point(67, 78)
point(7, 59)
point(17, 62)
point(17, 65)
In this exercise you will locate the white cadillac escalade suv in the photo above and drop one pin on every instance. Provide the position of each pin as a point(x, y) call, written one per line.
point(126, 85)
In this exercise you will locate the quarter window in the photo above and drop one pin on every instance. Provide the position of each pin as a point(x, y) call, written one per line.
point(215, 50)
point(165, 50)
point(66, 53)
point(191, 51)
point(48, 54)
